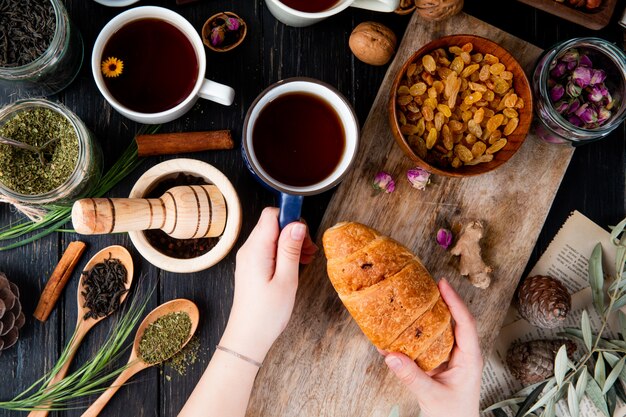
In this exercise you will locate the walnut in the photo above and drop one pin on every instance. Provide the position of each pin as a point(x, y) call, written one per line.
point(438, 9)
point(373, 43)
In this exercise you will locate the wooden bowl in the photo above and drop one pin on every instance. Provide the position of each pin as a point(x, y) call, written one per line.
point(520, 84)
point(206, 33)
point(171, 168)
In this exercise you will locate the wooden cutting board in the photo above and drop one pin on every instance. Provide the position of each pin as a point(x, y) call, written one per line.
point(323, 365)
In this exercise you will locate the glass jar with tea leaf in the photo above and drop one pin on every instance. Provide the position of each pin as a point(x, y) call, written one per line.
point(41, 51)
point(47, 154)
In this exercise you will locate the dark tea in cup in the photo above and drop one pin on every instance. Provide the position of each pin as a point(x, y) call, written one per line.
point(310, 6)
point(298, 139)
point(153, 66)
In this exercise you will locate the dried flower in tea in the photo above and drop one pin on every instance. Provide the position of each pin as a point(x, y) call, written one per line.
point(22, 170)
point(104, 285)
point(164, 337)
point(26, 30)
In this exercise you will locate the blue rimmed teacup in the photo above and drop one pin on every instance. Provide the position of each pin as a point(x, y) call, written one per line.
point(291, 196)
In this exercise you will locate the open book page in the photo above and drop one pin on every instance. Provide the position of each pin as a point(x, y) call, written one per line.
point(566, 259)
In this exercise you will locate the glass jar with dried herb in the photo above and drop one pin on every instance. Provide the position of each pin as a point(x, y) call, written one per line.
point(47, 154)
point(41, 51)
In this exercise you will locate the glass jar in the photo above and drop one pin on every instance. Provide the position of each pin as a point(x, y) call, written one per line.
point(53, 70)
point(548, 123)
point(88, 168)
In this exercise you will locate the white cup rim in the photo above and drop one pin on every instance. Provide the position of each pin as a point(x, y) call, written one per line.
point(350, 150)
point(147, 12)
point(337, 8)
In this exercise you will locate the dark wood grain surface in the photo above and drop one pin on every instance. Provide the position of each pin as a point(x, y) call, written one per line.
point(593, 184)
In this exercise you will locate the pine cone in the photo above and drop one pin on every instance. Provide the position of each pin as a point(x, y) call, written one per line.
point(11, 315)
point(543, 301)
point(533, 361)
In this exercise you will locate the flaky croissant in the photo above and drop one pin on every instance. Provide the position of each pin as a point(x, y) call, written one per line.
point(389, 293)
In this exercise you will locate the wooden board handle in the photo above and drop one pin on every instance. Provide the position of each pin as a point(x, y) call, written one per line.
point(184, 212)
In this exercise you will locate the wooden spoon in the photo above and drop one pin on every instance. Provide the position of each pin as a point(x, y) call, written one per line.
point(135, 363)
point(84, 325)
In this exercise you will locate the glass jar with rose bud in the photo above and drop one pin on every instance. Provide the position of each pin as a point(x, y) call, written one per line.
point(579, 87)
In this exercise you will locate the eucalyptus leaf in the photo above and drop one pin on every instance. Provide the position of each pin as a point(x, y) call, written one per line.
point(619, 390)
point(506, 403)
point(595, 395)
point(596, 278)
point(550, 410)
point(599, 372)
point(395, 411)
point(581, 384)
point(616, 344)
point(585, 326)
point(622, 323)
point(620, 259)
point(612, 377)
point(571, 333)
point(560, 365)
point(619, 303)
point(543, 400)
point(572, 401)
point(531, 398)
point(616, 231)
point(610, 358)
point(611, 400)
point(525, 392)
point(620, 283)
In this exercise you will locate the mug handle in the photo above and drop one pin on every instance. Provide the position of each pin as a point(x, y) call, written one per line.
point(217, 92)
point(290, 209)
point(377, 5)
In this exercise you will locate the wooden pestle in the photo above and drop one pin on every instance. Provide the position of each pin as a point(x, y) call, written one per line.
point(183, 212)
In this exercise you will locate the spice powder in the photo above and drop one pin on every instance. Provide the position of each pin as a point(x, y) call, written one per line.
point(164, 337)
point(22, 170)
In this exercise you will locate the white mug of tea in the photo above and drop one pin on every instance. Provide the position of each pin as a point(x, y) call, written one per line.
point(300, 137)
point(301, 13)
point(149, 63)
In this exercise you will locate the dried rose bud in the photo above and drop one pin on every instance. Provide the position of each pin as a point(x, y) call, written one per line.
point(556, 92)
point(594, 94)
point(232, 24)
point(597, 76)
point(603, 115)
point(587, 114)
point(384, 183)
point(562, 106)
point(581, 76)
point(571, 55)
point(444, 238)
point(418, 178)
point(574, 105)
point(585, 61)
point(572, 89)
point(575, 120)
point(559, 70)
point(217, 35)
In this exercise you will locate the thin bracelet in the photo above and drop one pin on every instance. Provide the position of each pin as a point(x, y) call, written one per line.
point(240, 356)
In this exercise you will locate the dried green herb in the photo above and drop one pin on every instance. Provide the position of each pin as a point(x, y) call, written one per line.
point(104, 286)
point(22, 170)
point(188, 355)
point(165, 337)
point(26, 30)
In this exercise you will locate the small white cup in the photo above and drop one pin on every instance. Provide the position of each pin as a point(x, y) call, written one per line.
point(204, 88)
point(293, 17)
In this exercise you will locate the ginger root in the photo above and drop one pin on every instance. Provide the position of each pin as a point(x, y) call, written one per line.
point(471, 263)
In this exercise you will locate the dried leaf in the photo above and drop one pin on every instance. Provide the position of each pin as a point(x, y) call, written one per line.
point(581, 384)
point(599, 373)
point(543, 400)
point(613, 375)
point(619, 389)
point(506, 403)
point(622, 323)
point(620, 259)
point(595, 395)
point(585, 326)
point(611, 359)
point(550, 410)
point(571, 333)
point(560, 365)
point(572, 401)
point(616, 231)
point(611, 400)
point(532, 397)
point(596, 278)
point(619, 303)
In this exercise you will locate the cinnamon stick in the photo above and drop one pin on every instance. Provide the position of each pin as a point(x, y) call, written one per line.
point(173, 143)
point(58, 279)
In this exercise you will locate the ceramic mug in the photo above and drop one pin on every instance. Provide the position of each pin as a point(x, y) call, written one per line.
point(203, 88)
point(297, 18)
point(291, 197)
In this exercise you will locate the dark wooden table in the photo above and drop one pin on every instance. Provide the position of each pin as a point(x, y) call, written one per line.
point(594, 183)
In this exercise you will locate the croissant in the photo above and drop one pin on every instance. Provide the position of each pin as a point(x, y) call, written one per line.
point(389, 293)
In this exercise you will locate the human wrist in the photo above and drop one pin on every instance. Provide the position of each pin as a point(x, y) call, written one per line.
point(244, 343)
